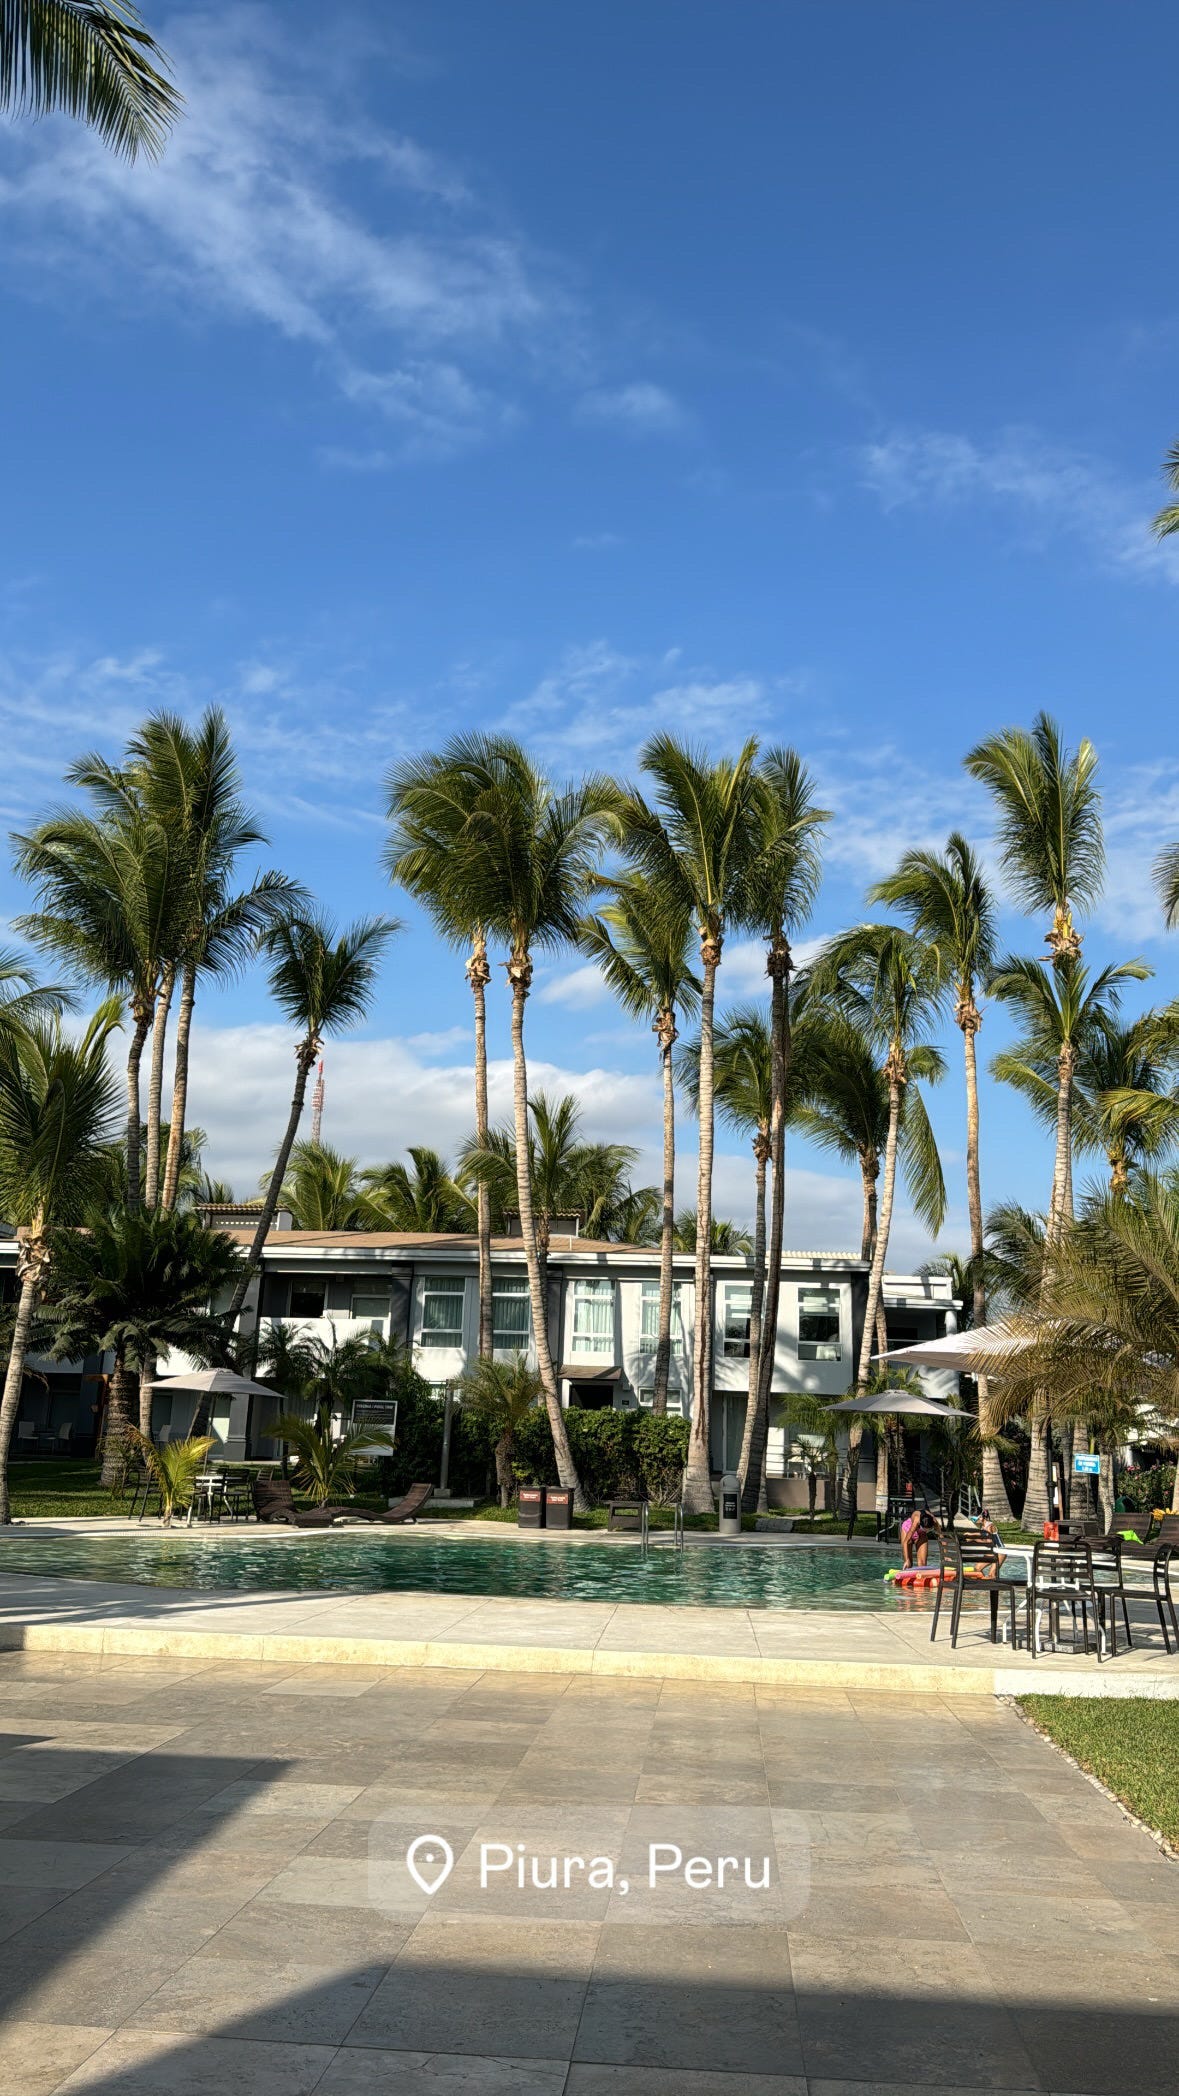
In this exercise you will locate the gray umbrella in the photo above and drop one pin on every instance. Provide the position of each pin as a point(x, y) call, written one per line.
point(895, 1402)
point(216, 1382)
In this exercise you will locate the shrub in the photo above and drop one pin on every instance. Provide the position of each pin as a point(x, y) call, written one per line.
point(1143, 1489)
point(619, 1455)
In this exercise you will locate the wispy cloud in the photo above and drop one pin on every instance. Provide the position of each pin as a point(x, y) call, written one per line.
point(419, 311)
point(597, 706)
point(597, 542)
point(641, 409)
point(576, 988)
point(1055, 492)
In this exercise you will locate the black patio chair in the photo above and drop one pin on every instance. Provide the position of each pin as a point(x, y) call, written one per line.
point(1105, 1557)
point(970, 1564)
point(1062, 1574)
point(1164, 1592)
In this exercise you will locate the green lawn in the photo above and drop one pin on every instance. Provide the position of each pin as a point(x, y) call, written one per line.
point(1130, 1744)
point(63, 1485)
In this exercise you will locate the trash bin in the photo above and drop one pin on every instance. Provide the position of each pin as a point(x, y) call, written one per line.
point(558, 1507)
point(530, 1508)
point(730, 1504)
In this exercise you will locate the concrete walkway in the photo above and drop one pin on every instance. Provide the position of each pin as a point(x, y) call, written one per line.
point(888, 1649)
point(203, 1887)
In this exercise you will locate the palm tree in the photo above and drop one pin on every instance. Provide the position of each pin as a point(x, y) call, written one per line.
point(744, 1092)
point(502, 1396)
point(728, 1238)
point(324, 982)
point(426, 1198)
point(175, 1467)
point(1061, 1009)
point(430, 804)
point(1049, 830)
point(696, 847)
point(785, 884)
point(322, 1190)
point(93, 59)
point(1167, 520)
point(889, 984)
point(57, 1113)
point(841, 1104)
point(1166, 880)
point(946, 900)
point(135, 1283)
point(527, 865)
point(645, 962)
point(569, 1176)
point(327, 1461)
point(106, 886)
point(1126, 1104)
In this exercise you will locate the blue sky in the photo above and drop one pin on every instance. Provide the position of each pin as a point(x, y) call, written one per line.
point(802, 372)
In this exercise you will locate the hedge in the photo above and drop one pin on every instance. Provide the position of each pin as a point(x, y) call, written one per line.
point(619, 1455)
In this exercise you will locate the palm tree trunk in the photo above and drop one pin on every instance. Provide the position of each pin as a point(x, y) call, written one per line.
point(880, 1250)
point(697, 1487)
point(665, 1027)
point(520, 979)
point(479, 975)
point(869, 1174)
point(118, 1419)
point(753, 1469)
point(155, 1087)
point(14, 1379)
point(761, 1153)
point(1037, 1505)
point(994, 1487)
point(147, 1391)
point(134, 1058)
point(179, 1086)
point(305, 1055)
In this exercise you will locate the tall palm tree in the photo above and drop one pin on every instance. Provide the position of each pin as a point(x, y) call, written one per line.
point(785, 883)
point(136, 1283)
point(426, 1197)
point(841, 1104)
point(526, 864)
point(744, 1092)
point(1126, 1099)
point(502, 1396)
point(1049, 823)
point(322, 1189)
point(696, 845)
point(323, 980)
point(945, 898)
point(430, 804)
point(57, 1114)
point(644, 959)
point(569, 1175)
point(1061, 1008)
point(93, 59)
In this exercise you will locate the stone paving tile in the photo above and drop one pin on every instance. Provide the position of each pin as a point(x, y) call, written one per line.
point(35, 2058)
point(147, 2063)
point(354, 2072)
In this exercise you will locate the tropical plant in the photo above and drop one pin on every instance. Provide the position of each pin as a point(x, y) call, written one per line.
point(644, 959)
point(175, 1467)
point(569, 1176)
point(57, 1114)
point(327, 1373)
point(1166, 881)
point(502, 1394)
point(322, 1190)
point(1126, 1103)
point(136, 1283)
point(728, 1238)
point(1167, 519)
point(324, 982)
point(696, 845)
point(947, 902)
point(93, 59)
point(327, 1462)
point(840, 1102)
point(1049, 823)
point(427, 1198)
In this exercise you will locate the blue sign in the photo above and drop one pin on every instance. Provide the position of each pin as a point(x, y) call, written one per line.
point(1087, 1466)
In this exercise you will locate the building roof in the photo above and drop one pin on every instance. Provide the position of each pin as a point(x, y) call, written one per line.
point(466, 1243)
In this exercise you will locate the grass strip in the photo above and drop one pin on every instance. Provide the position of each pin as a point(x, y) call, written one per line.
point(1131, 1744)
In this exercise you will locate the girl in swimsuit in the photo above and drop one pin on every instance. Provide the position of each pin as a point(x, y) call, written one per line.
point(916, 1531)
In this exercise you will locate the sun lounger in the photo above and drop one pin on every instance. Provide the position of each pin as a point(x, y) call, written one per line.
point(406, 1509)
point(1146, 1550)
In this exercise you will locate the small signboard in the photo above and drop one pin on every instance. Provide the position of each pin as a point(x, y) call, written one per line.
point(379, 1412)
point(1087, 1466)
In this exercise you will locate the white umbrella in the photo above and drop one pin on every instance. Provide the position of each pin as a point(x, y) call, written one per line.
point(957, 1350)
point(892, 1403)
point(216, 1382)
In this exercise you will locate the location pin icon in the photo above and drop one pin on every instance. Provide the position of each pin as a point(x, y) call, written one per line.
point(435, 1864)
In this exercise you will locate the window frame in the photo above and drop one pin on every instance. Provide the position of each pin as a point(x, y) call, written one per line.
point(439, 1339)
point(649, 1341)
point(511, 1288)
point(808, 1349)
point(737, 1350)
point(307, 1284)
point(589, 1288)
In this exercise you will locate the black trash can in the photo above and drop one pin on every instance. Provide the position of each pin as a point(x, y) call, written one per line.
point(530, 1510)
point(558, 1507)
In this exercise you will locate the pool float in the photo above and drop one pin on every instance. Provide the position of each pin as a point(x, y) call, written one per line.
point(928, 1576)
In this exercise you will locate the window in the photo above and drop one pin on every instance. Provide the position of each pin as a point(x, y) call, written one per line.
point(649, 1332)
point(738, 1309)
point(306, 1298)
point(442, 1312)
point(818, 1325)
point(593, 1317)
point(511, 1314)
point(675, 1403)
point(370, 1303)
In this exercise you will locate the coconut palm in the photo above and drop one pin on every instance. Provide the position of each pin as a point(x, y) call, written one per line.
point(696, 845)
point(421, 1196)
point(527, 867)
point(644, 959)
point(1167, 520)
point(1166, 881)
point(327, 1461)
point(175, 1467)
point(744, 1093)
point(1049, 823)
point(324, 981)
point(430, 803)
point(57, 1114)
point(1126, 1102)
point(728, 1238)
point(95, 60)
point(502, 1395)
point(136, 1283)
point(569, 1176)
point(322, 1189)
point(945, 898)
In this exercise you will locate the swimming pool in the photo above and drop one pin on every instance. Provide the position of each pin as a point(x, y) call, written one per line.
point(699, 1577)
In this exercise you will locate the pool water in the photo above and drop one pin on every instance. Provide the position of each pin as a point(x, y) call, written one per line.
point(699, 1577)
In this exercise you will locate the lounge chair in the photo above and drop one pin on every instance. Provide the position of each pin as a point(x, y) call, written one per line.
point(1165, 1537)
point(406, 1509)
point(274, 1501)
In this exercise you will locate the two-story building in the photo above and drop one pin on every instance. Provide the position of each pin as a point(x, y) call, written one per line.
point(603, 1314)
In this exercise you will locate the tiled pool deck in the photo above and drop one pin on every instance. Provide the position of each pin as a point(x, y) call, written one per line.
point(884, 1650)
point(202, 1890)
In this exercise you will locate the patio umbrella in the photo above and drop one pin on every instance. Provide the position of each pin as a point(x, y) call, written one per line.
point(216, 1382)
point(894, 1402)
point(956, 1350)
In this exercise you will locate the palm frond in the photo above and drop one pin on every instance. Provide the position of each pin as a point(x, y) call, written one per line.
point(95, 60)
